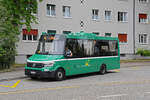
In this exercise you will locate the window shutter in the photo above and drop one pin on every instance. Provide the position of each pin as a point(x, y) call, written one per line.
point(122, 37)
point(31, 32)
point(143, 16)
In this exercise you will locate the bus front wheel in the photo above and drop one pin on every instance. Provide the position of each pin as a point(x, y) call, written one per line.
point(103, 69)
point(60, 75)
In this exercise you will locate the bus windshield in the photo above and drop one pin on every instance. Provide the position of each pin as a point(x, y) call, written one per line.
point(51, 45)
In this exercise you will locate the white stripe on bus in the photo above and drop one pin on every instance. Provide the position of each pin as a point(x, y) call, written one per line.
point(70, 59)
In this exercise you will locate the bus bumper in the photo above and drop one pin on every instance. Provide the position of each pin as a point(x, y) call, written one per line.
point(39, 74)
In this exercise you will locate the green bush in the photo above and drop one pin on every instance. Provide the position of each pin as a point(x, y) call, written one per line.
point(13, 15)
point(6, 57)
point(143, 52)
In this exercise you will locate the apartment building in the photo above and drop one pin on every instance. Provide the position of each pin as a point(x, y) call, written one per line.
point(126, 19)
point(142, 24)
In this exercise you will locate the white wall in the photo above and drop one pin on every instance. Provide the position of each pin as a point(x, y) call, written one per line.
point(84, 12)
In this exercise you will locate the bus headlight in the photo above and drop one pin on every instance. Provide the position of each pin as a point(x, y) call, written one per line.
point(50, 64)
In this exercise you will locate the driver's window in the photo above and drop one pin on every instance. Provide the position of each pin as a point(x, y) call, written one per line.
point(68, 52)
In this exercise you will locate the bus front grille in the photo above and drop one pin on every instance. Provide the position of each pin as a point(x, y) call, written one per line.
point(35, 65)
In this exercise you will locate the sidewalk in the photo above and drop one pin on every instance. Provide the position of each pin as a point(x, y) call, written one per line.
point(135, 64)
point(18, 73)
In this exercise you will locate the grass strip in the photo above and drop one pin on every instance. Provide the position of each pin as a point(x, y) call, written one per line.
point(134, 60)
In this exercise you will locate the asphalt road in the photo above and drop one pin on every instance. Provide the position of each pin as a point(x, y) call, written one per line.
point(128, 83)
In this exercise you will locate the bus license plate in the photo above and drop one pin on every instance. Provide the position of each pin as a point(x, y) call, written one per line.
point(32, 72)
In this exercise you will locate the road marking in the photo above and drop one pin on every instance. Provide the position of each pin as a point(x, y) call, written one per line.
point(13, 86)
point(36, 90)
point(117, 95)
point(124, 82)
point(135, 67)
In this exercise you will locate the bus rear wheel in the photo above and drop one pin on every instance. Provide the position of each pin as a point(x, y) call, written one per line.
point(103, 69)
point(60, 75)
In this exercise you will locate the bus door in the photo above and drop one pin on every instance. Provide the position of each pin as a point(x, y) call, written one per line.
point(76, 61)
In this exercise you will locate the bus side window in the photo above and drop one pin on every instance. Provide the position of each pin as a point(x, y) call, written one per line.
point(103, 47)
point(68, 49)
point(80, 48)
point(75, 46)
point(91, 48)
point(96, 49)
point(113, 48)
point(108, 48)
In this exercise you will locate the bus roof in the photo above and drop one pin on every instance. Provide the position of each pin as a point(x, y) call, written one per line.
point(83, 35)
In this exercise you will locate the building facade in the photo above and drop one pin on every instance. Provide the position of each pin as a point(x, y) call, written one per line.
point(126, 19)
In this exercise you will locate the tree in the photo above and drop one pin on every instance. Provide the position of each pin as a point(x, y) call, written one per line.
point(14, 14)
point(21, 11)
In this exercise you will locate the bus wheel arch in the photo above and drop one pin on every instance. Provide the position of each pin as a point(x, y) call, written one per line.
point(60, 74)
point(103, 69)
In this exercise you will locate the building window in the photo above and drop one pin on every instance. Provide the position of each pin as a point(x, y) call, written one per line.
point(107, 34)
point(143, 1)
point(51, 10)
point(97, 33)
point(143, 38)
point(82, 1)
point(95, 14)
point(29, 36)
point(51, 32)
point(122, 16)
point(24, 37)
point(143, 18)
point(108, 15)
point(34, 37)
point(122, 38)
point(66, 32)
point(124, 0)
point(66, 11)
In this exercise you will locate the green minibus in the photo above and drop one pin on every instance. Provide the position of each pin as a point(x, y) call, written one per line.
point(60, 55)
